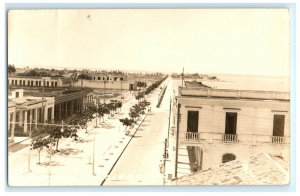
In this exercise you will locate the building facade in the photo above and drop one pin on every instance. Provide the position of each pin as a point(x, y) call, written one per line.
point(223, 125)
point(21, 81)
point(109, 77)
point(25, 112)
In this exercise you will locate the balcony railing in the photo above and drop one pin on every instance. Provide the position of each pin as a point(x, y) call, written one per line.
point(278, 140)
point(192, 136)
point(230, 138)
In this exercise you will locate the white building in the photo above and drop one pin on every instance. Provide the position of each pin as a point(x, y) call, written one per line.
point(25, 111)
point(220, 125)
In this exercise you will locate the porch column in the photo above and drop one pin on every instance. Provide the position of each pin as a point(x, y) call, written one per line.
point(66, 110)
point(59, 113)
point(52, 113)
point(35, 116)
point(45, 114)
point(8, 121)
point(20, 117)
point(30, 120)
point(72, 107)
point(25, 121)
point(13, 127)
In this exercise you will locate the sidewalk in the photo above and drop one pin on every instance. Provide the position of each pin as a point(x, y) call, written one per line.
point(73, 165)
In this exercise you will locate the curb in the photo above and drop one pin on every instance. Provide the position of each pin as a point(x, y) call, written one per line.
point(103, 181)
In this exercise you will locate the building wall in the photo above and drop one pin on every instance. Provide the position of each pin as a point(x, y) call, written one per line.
point(105, 77)
point(254, 126)
point(48, 81)
point(102, 84)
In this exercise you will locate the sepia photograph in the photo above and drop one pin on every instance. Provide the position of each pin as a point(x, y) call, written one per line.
point(160, 97)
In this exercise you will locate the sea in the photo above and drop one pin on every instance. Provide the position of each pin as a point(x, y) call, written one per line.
point(250, 82)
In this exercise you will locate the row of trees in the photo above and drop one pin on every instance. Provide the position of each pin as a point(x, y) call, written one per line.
point(134, 113)
point(72, 124)
point(154, 85)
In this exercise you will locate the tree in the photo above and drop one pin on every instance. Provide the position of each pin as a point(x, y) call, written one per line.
point(40, 143)
point(11, 69)
point(127, 122)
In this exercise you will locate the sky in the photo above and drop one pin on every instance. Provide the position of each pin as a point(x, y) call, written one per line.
point(235, 41)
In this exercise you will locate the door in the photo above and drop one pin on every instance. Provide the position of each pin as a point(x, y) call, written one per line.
point(278, 125)
point(230, 126)
point(192, 124)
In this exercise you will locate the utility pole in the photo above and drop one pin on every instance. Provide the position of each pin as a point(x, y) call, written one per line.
point(43, 100)
point(93, 165)
point(182, 76)
point(177, 138)
point(169, 120)
point(29, 147)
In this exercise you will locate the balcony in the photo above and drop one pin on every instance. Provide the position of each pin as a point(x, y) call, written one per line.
point(191, 136)
point(278, 140)
point(230, 138)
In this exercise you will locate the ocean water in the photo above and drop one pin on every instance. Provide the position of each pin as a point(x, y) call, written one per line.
point(250, 82)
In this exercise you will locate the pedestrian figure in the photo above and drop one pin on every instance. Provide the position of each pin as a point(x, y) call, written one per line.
point(161, 167)
point(195, 167)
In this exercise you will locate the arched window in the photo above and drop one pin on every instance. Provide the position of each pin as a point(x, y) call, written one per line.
point(228, 157)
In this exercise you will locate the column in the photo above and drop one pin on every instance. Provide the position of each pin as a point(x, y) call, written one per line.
point(25, 121)
point(30, 120)
point(78, 106)
point(66, 109)
point(13, 127)
point(9, 121)
point(20, 117)
point(35, 116)
point(45, 114)
point(52, 114)
point(72, 106)
point(59, 114)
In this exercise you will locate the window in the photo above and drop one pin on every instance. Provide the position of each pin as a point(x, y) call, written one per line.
point(278, 125)
point(103, 78)
point(55, 83)
point(40, 84)
point(52, 84)
point(94, 78)
point(47, 83)
point(31, 83)
point(28, 83)
point(192, 122)
point(13, 82)
point(20, 83)
point(99, 78)
point(228, 157)
point(23, 82)
point(230, 124)
point(36, 83)
point(121, 79)
point(17, 95)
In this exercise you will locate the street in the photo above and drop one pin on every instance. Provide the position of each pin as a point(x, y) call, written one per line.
point(139, 164)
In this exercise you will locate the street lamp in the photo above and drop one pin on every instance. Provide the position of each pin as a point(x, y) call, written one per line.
point(93, 165)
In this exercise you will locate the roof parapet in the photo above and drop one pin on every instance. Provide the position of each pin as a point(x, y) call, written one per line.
point(230, 93)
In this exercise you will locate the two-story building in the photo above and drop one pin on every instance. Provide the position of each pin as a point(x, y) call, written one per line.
point(220, 125)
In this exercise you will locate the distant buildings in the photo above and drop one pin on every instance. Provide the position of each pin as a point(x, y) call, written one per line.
point(109, 77)
point(221, 125)
point(25, 81)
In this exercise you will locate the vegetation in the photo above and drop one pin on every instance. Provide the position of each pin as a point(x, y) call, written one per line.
point(11, 69)
point(40, 143)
